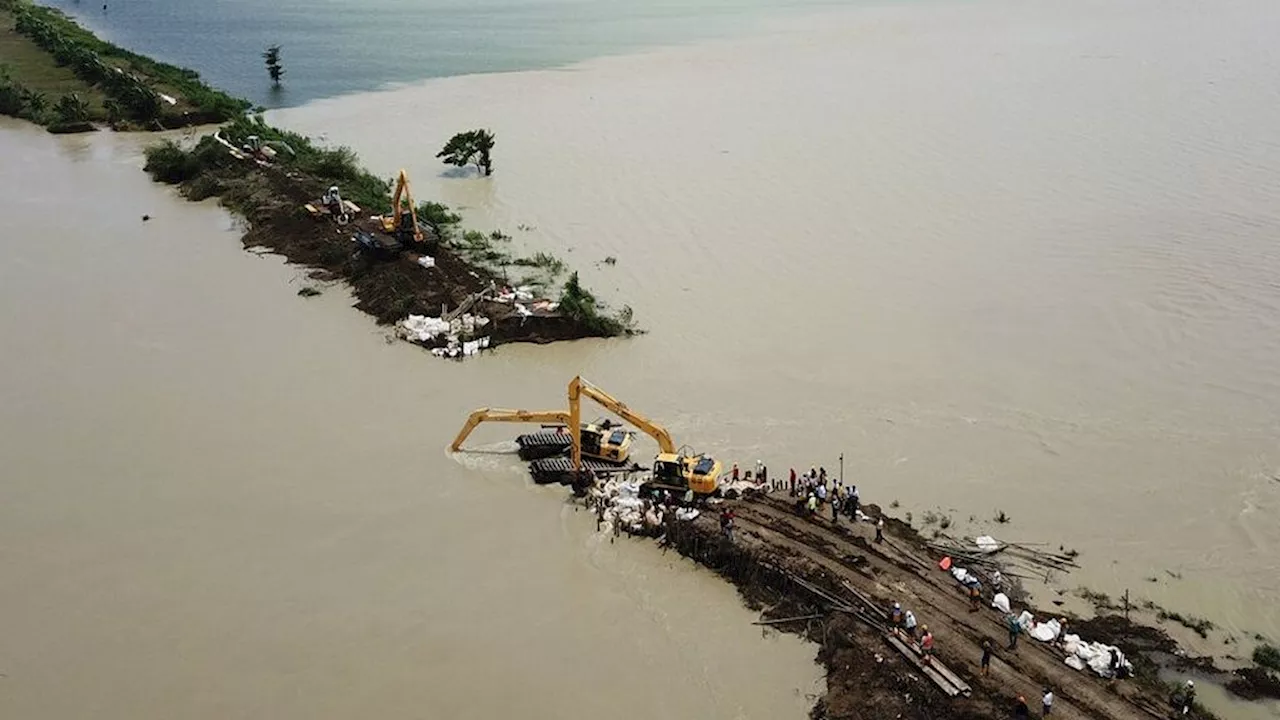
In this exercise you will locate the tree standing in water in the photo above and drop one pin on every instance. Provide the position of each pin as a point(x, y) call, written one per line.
point(471, 147)
point(274, 68)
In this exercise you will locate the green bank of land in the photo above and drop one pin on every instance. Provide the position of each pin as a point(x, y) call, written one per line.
point(57, 74)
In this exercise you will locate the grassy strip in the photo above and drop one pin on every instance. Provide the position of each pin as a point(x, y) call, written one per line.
point(45, 54)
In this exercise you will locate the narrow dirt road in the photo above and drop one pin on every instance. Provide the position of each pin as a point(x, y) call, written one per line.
point(899, 570)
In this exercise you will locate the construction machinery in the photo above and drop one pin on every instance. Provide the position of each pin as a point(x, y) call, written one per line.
point(398, 230)
point(402, 222)
point(606, 447)
point(557, 417)
point(673, 469)
point(600, 447)
point(333, 205)
point(601, 440)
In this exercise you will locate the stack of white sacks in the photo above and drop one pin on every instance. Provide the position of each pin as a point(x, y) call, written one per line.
point(624, 509)
point(426, 330)
point(1080, 653)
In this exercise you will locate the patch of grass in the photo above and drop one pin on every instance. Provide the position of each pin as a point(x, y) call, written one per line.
point(133, 82)
point(1201, 626)
point(308, 291)
point(441, 219)
point(553, 265)
point(1001, 517)
point(611, 260)
point(581, 305)
point(1267, 656)
point(1099, 600)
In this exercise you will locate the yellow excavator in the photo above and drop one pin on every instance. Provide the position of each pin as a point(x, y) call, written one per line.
point(601, 440)
point(402, 221)
point(388, 235)
point(599, 447)
point(674, 469)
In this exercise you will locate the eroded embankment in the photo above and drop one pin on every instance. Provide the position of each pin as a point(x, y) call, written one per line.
point(776, 558)
point(449, 270)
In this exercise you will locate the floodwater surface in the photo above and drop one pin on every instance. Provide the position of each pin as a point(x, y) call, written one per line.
point(219, 499)
point(1004, 256)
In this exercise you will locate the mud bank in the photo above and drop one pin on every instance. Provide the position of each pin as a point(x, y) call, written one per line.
point(775, 554)
point(442, 275)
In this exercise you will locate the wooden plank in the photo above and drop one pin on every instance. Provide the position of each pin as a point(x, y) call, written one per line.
point(942, 682)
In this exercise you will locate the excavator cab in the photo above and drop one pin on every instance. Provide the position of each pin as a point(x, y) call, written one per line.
point(606, 440)
point(699, 473)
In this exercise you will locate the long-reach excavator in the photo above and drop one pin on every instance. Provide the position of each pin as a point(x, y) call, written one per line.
point(673, 469)
point(600, 442)
point(600, 447)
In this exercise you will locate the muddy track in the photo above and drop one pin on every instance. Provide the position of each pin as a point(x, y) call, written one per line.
point(866, 679)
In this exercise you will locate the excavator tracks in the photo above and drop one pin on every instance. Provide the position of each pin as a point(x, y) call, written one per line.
point(560, 469)
point(539, 445)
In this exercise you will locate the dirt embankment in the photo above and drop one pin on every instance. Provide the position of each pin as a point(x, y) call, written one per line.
point(389, 286)
point(866, 678)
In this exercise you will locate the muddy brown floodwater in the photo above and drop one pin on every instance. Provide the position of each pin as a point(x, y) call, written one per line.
point(1002, 255)
point(219, 499)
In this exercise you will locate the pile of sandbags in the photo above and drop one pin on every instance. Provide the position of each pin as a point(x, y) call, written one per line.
point(1095, 656)
point(622, 507)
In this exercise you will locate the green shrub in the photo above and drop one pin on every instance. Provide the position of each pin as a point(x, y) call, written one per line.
point(169, 163)
point(1267, 656)
point(579, 304)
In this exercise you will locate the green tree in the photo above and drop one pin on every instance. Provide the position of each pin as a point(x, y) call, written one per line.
point(468, 148)
point(274, 68)
point(71, 109)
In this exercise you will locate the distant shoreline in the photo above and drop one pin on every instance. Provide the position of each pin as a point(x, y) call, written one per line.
point(58, 75)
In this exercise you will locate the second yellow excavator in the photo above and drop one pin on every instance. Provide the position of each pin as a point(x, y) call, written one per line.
point(673, 469)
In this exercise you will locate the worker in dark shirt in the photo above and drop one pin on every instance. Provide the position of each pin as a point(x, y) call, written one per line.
point(1020, 709)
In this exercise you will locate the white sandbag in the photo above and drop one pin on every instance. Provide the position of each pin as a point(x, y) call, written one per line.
point(987, 544)
point(628, 503)
point(1070, 643)
point(1026, 620)
point(1046, 631)
point(1000, 602)
point(687, 513)
point(1074, 662)
point(960, 574)
point(426, 261)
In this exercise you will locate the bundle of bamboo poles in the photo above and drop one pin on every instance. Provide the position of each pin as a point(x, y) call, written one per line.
point(1025, 560)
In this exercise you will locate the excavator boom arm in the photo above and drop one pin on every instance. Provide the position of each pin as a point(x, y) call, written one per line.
point(404, 195)
point(579, 387)
point(501, 415)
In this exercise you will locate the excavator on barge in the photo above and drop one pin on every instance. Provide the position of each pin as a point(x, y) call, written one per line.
point(600, 447)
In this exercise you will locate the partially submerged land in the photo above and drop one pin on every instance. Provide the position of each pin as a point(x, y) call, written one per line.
point(833, 584)
point(59, 75)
